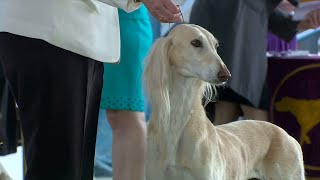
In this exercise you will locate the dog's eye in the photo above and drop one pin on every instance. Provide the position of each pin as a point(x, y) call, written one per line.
point(196, 43)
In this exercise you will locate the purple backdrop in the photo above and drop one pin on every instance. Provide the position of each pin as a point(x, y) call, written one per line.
point(278, 45)
point(294, 86)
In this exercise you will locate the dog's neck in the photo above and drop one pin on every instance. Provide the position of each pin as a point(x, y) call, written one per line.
point(185, 102)
point(185, 99)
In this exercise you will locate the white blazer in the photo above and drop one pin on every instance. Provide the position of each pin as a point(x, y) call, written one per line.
point(86, 27)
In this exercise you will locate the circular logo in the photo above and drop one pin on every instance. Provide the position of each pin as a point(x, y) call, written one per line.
point(296, 108)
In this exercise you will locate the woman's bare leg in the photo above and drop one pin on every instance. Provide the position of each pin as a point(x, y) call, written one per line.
point(254, 113)
point(226, 112)
point(129, 144)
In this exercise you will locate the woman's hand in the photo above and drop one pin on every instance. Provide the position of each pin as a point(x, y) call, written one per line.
point(311, 20)
point(163, 10)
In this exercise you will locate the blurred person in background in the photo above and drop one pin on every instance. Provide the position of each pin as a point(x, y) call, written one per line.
point(276, 44)
point(52, 53)
point(123, 102)
point(241, 26)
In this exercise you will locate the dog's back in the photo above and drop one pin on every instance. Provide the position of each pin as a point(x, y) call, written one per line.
point(270, 153)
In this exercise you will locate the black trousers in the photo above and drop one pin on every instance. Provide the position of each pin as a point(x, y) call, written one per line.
point(58, 96)
point(9, 126)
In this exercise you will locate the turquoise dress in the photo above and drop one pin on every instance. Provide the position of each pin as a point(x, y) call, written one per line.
point(122, 84)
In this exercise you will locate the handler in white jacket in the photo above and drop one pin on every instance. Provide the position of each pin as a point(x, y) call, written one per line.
point(50, 52)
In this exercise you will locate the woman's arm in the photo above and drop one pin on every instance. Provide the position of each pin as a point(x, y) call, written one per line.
point(163, 10)
point(282, 25)
point(126, 5)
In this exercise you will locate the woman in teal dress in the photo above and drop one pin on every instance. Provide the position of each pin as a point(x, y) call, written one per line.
point(123, 99)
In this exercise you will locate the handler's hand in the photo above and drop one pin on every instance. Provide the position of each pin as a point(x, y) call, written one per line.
point(163, 10)
point(311, 21)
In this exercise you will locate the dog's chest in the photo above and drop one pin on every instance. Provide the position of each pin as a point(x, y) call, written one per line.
point(187, 164)
point(176, 173)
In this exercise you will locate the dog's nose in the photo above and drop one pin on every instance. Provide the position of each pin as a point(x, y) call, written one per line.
point(224, 74)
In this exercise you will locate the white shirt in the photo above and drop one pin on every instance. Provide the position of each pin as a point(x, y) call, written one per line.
point(186, 7)
point(86, 27)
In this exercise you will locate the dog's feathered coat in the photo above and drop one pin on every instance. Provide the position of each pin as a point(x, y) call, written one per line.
point(182, 143)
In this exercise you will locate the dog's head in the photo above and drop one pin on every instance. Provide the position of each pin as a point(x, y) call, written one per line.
point(192, 52)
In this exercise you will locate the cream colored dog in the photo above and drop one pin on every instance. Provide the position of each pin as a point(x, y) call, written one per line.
point(182, 143)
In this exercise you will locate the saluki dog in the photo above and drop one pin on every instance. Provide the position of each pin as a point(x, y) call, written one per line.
point(182, 143)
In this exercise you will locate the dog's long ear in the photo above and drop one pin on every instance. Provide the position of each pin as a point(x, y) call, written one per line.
point(157, 76)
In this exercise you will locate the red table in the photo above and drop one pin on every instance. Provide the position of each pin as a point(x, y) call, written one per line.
point(294, 88)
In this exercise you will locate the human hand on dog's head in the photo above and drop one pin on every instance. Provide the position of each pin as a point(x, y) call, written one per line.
point(163, 10)
point(311, 20)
